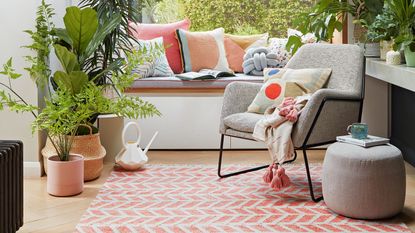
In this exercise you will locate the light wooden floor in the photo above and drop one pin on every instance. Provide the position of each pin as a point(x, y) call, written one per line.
point(44, 213)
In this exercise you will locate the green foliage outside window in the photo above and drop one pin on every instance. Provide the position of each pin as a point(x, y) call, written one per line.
point(236, 16)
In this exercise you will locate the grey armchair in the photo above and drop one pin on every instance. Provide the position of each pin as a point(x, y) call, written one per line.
point(325, 116)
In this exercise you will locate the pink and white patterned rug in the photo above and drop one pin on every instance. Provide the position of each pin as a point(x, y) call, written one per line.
point(180, 198)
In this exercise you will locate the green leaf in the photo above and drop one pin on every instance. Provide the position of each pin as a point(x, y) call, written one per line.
point(293, 43)
point(81, 26)
point(108, 26)
point(62, 34)
point(9, 71)
point(67, 59)
point(78, 79)
point(73, 82)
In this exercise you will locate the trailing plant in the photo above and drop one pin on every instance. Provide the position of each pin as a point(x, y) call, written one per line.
point(384, 27)
point(327, 16)
point(78, 96)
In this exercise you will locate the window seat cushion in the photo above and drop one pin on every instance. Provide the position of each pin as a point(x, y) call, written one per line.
point(158, 83)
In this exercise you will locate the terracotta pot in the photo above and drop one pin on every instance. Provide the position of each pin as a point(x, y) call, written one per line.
point(88, 146)
point(65, 178)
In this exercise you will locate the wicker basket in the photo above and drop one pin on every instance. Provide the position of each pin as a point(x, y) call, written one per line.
point(88, 146)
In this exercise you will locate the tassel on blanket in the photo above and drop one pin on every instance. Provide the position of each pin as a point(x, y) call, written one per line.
point(280, 179)
point(269, 174)
point(292, 116)
point(288, 110)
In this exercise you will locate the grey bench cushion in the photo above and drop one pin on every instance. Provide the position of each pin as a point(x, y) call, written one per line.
point(173, 82)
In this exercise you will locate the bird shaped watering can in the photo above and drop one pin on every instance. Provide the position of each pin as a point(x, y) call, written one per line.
point(132, 157)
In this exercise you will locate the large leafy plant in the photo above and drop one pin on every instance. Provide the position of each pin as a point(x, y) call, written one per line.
point(118, 40)
point(78, 96)
point(327, 16)
point(403, 12)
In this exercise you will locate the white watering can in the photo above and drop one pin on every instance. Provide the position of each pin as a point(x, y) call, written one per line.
point(132, 157)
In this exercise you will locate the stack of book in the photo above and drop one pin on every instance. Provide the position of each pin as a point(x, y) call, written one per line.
point(366, 142)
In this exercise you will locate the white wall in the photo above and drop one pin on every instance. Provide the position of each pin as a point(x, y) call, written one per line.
point(16, 16)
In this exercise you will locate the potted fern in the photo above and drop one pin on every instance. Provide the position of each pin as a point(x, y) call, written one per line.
point(403, 12)
point(77, 96)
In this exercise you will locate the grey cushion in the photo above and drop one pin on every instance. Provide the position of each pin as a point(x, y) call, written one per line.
point(173, 82)
point(236, 99)
point(244, 122)
point(364, 183)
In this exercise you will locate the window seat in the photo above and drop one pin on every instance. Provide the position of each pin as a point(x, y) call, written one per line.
point(173, 84)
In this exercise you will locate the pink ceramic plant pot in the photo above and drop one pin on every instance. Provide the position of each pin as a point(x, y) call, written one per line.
point(65, 178)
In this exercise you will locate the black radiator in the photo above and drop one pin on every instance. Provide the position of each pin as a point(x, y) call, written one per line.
point(11, 186)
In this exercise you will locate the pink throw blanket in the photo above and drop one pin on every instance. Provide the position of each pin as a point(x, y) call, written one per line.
point(275, 130)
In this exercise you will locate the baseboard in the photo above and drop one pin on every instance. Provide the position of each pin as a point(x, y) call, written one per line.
point(31, 169)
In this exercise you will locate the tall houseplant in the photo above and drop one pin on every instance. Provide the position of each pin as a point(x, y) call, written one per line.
point(78, 96)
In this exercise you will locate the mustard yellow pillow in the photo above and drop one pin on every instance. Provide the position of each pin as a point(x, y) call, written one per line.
point(281, 83)
point(249, 41)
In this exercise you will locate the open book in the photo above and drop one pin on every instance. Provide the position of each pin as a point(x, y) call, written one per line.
point(367, 142)
point(204, 74)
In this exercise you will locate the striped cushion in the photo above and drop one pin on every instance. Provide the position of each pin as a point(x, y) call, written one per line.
point(144, 31)
point(203, 50)
point(159, 66)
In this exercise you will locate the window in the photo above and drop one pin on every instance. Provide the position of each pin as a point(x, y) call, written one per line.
point(236, 16)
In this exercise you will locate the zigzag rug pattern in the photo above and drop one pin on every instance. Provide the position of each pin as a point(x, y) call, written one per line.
point(180, 198)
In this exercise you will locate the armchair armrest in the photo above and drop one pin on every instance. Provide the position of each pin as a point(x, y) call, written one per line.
point(236, 99)
point(327, 115)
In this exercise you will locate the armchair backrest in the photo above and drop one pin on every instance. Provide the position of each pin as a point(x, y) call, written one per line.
point(346, 62)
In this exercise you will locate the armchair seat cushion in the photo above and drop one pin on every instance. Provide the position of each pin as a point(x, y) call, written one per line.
point(244, 122)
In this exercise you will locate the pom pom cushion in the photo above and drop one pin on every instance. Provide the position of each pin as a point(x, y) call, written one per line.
point(203, 50)
point(281, 83)
point(158, 66)
point(250, 41)
point(168, 32)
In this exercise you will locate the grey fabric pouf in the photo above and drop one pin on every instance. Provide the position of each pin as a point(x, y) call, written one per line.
point(364, 183)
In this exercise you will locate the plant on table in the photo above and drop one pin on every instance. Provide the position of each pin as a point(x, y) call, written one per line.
point(403, 12)
point(384, 29)
point(327, 16)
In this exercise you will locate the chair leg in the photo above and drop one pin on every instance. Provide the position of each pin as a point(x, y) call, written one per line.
point(310, 183)
point(233, 173)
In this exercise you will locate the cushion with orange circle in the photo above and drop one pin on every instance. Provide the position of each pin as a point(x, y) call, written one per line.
point(281, 83)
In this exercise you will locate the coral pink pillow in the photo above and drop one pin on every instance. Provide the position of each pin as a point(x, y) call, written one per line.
point(234, 55)
point(168, 32)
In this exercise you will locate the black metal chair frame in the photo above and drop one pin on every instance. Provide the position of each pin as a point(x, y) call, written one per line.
point(305, 146)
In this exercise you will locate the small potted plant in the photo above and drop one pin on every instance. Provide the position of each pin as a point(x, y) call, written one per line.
point(384, 29)
point(403, 12)
point(77, 96)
